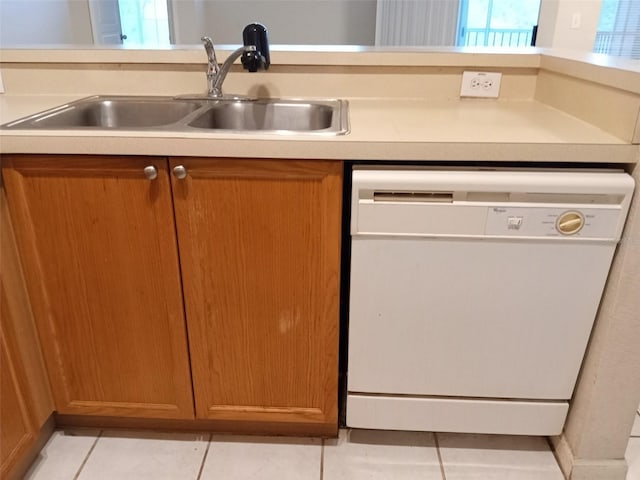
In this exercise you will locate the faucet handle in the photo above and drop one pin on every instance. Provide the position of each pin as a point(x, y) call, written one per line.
point(211, 55)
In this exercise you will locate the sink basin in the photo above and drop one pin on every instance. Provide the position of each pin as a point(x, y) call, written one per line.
point(112, 112)
point(272, 115)
point(200, 114)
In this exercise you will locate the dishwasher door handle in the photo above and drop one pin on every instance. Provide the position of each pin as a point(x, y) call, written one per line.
point(409, 196)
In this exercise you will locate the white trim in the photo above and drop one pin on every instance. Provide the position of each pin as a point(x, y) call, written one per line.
point(577, 469)
point(435, 414)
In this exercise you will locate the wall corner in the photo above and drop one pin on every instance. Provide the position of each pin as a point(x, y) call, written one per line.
point(577, 469)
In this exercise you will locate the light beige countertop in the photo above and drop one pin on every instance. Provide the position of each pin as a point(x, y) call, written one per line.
point(381, 129)
point(403, 104)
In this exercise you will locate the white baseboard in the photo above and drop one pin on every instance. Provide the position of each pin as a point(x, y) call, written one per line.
point(580, 469)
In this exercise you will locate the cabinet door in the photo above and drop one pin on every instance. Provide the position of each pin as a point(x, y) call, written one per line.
point(18, 322)
point(260, 255)
point(97, 239)
point(17, 429)
point(25, 399)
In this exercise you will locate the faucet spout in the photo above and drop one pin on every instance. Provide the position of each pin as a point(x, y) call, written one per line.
point(226, 66)
point(255, 56)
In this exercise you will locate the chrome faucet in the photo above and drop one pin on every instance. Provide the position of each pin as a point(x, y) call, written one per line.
point(212, 68)
point(255, 56)
point(217, 74)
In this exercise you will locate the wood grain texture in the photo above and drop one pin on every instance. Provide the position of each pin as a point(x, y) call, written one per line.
point(17, 426)
point(25, 398)
point(260, 255)
point(98, 245)
point(19, 323)
point(28, 455)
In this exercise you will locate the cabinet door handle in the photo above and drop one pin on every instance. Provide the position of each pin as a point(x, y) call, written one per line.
point(150, 172)
point(180, 172)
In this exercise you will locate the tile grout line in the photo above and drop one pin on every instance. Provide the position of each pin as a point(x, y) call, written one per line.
point(84, 462)
point(322, 458)
point(204, 457)
point(435, 438)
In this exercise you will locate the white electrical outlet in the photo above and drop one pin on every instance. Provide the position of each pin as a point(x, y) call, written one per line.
point(480, 84)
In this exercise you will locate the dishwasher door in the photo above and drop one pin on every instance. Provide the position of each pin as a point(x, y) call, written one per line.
point(476, 285)
point(472, 318)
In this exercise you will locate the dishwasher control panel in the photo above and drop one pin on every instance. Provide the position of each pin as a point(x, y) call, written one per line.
point(562, 221)
point(559, 206)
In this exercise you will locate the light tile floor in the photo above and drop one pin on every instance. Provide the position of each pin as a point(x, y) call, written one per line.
point(356, 454)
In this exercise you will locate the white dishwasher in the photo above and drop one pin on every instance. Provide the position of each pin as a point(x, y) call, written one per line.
point(473, 294)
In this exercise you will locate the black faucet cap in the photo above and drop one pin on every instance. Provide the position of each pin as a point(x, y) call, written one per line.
point(256, 34)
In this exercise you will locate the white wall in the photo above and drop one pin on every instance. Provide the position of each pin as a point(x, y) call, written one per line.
point(29, 22)
point(568, 24)
point(320, 22)
point(328, 22)
point(331, 22)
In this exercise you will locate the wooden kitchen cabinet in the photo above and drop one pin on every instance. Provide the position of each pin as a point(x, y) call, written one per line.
point(18, 430)
point(25, 399)
point(260, 256)
point(257, 255)
point(97, 241)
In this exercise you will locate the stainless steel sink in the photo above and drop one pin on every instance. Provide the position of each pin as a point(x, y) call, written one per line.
point(272, 115)
point(196, 114)
point(112, 112)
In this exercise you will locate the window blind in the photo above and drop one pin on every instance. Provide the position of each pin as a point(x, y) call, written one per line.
point(416, 22)
point(619, 30)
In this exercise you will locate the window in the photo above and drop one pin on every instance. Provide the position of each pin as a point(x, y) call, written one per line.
point(488, 23)
point(132, 22)
point(145, 22)
point(497, 23)
point(619, 28)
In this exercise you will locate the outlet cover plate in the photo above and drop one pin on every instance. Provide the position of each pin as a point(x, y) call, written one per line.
point(480, 84)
